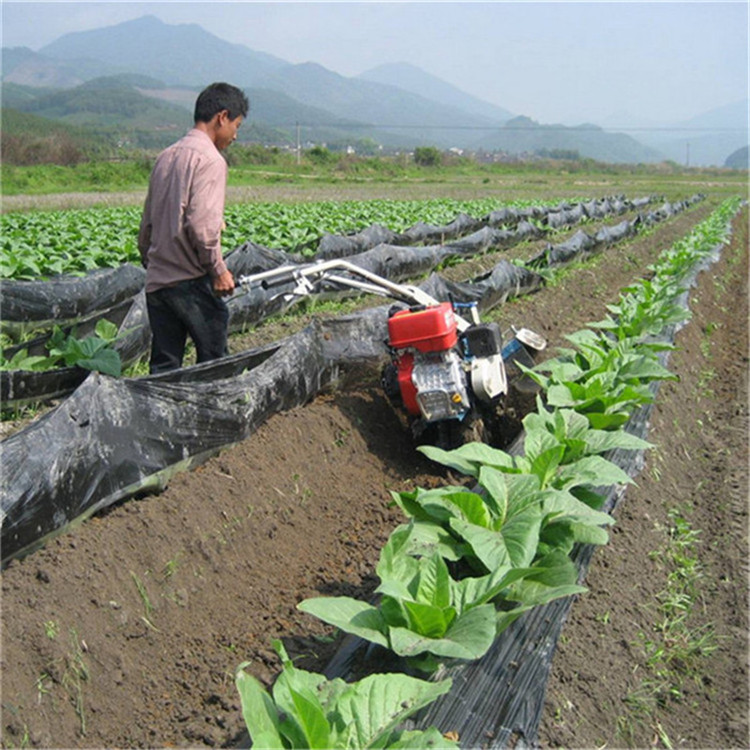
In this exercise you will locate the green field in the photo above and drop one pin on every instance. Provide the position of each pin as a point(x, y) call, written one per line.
point(72, 219)
point(271, 175)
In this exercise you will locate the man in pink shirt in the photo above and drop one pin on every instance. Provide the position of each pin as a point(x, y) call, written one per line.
point(180, 234)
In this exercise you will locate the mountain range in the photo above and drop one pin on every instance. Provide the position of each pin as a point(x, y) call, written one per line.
point(151, 74)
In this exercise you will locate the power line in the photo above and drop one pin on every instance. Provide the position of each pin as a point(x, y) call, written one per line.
point(513, 128)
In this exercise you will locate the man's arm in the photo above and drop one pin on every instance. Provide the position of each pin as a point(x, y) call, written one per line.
point(204, 216)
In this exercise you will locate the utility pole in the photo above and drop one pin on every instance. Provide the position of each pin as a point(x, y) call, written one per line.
point(687, 154)
point(299, 148)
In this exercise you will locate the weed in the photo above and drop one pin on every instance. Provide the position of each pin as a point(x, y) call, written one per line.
point(170, 568)
point(675, 648)
point(51, 629)
point(303, 494)
point(42, 688)
point(341, 437)
point(76, 673)
point(148, 607)
point(706, 376)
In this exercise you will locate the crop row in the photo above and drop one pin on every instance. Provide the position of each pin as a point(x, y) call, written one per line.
point(47, 243)
point(470, 561)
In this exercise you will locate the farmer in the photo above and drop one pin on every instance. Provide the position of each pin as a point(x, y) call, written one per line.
point(180, 234)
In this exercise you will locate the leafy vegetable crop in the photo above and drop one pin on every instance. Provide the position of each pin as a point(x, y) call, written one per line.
point(91, 353)
point(46, 243)
point(306, 710)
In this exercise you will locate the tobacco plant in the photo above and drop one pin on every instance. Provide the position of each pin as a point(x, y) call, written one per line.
point(601, 378)
point(426, 615)
point(67, 350)
point(305, 710)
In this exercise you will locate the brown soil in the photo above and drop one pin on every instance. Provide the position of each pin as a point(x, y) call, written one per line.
point(127, 631)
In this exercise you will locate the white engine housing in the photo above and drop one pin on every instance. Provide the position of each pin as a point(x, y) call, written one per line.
point(440, 383)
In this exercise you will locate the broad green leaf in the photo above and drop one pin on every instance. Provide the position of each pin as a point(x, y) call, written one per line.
point(469, 457)
point(258, 711)
point(487, 545)
point(442, 503)
point(428, 537)
point(473, 507)
point(586, 495)
point(561, 395)
point(394, 563)
point(408, 503)
point(601, 441)
point(585, 338)
point(611, 421)
point(554, 577)
point(350, 615)
point(645, 369)
point(522, 492)
point(428, 619)
point(545, 464)
point(301, 718)
point(472, 592)
point(562, 504)
point(449, 458)
point(106, 361)
point(514, 543)
point(106, 330)
point(393, 611)
point(496, 485)
point(469, 637)
point(434, 582)
point(564, 534)
point(593, 470)
point(373, 708)
point(539, 441)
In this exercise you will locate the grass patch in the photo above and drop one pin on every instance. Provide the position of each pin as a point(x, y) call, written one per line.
point(676, 647)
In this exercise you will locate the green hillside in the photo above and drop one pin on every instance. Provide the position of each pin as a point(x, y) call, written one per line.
point(27, 138)
point(524, 135)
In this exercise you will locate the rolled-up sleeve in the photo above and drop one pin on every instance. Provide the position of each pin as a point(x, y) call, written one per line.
point(204, 214)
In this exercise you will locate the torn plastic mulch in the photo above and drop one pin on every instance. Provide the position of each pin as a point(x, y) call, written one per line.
point(245, 308)
point(582, 243)
point(113, 438)
point(65, 300)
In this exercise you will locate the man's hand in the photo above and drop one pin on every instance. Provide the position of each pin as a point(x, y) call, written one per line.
point(224, 284)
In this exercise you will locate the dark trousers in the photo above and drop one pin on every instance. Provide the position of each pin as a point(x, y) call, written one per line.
point(188, 309)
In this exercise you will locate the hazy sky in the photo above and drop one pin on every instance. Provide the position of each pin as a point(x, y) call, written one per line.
point(606, 62)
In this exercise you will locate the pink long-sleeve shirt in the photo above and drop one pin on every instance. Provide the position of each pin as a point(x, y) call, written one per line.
point(180, 233)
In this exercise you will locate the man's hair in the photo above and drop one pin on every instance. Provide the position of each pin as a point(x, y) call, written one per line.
point(220, 96)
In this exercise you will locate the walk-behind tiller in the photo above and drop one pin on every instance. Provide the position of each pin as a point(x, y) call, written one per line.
point(447, 375)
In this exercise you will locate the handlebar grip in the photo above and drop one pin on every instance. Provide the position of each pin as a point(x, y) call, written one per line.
point(278, 281)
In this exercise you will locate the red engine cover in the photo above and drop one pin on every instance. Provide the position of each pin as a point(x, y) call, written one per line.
point(430, 330)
